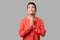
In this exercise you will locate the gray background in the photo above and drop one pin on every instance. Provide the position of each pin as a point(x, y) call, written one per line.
point(12, 11)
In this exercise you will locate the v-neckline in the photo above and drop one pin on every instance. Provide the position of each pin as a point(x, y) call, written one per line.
point(29, 19)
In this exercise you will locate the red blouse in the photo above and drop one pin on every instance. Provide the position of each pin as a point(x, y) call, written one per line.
point(31, 32)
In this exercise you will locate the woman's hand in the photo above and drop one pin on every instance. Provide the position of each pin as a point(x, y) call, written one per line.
point(31, 21)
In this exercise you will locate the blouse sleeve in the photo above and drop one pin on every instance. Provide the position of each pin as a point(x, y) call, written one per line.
point(42, 29)
point(24, 31)
point(39, 28)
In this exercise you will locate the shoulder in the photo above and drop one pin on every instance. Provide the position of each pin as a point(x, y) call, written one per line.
point(39, 19)
point(23, 19)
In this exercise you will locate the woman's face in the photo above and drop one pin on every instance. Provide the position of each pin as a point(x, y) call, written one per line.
point(31, 9)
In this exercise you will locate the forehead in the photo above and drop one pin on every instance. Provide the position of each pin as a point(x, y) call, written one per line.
point(31, 5)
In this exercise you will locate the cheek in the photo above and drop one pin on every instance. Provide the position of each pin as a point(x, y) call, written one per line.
point(34, 10)
point(28, 10)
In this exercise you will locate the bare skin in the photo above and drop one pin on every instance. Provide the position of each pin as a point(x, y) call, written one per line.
point(31, 14)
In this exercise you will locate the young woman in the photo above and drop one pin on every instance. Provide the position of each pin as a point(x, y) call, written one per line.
point(31, 27)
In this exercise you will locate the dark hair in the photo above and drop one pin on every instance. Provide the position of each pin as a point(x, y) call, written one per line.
point(32, 4)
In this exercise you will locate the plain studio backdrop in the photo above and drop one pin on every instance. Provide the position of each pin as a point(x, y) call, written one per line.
point(12, 11)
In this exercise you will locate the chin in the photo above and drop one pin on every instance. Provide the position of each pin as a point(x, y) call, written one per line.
point(31, 13)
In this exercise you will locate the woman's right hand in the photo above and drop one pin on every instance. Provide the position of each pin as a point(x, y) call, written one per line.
point(31, 21)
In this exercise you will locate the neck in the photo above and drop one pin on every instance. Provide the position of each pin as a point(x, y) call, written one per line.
point(31, 16)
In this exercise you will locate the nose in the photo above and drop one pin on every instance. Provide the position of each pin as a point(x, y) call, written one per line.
point(30, 8)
